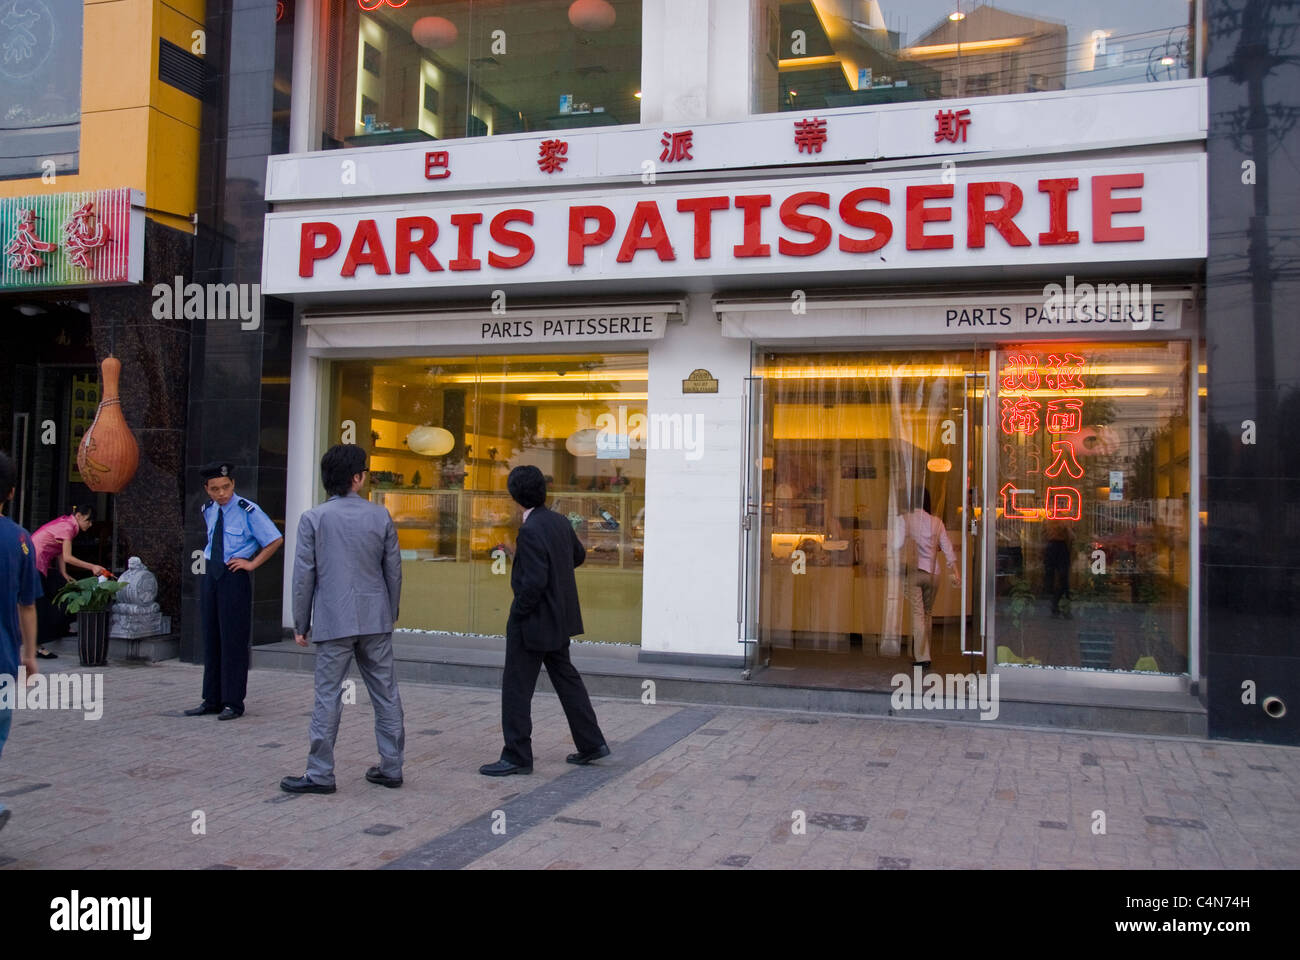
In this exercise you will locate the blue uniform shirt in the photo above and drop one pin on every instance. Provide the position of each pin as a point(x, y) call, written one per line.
point(245, 528)
point(19, 584)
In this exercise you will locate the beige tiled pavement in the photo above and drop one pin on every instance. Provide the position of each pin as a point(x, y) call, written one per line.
point(124, 791)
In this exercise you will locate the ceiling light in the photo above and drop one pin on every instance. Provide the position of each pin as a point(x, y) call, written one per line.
point(957, 15)
point(938, 465)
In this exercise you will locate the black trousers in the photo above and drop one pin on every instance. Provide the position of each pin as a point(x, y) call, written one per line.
point(51, 621)
point(1056, 572)
point(517, 685)
point(226, 613)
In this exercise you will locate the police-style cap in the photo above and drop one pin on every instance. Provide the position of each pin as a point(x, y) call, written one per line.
point(212, 471)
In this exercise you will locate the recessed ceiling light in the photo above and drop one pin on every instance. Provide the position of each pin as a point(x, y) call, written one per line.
point(957, 15)
point(637, 94)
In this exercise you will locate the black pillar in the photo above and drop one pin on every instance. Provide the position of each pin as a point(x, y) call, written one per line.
point(1250, 557)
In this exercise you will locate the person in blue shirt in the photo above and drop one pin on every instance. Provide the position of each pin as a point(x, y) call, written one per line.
point(20, 588)
point(241, 537)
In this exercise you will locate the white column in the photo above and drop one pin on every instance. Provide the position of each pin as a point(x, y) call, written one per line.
point(304, 427)
point(695, 60)
point(690, 584)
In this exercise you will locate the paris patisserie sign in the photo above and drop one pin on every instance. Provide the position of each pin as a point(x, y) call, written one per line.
point(67, 239)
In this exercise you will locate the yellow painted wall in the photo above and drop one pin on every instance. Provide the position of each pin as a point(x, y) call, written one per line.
point(136, 131)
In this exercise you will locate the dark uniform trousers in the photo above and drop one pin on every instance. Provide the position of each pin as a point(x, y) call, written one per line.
point(518, 682)
point(226, 612)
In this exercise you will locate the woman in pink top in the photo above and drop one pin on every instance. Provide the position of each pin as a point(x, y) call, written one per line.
point(929, 535)
point(53, 545)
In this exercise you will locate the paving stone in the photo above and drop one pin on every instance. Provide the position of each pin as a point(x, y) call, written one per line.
point(905, 799)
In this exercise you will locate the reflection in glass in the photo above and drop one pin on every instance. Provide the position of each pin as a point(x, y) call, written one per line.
point(443, 433)
point(825, 53)
point(425, 70)
point(862, 511)
point(1094, 482)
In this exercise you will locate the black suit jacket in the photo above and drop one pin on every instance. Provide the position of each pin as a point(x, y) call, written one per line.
point(545, 611)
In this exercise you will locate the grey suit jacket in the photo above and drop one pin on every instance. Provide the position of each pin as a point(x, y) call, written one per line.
point(347, 572)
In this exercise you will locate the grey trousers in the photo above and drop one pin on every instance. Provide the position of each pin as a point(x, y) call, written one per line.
point(374, 655)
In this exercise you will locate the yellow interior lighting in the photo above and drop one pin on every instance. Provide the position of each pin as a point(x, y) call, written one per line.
point(950, 49)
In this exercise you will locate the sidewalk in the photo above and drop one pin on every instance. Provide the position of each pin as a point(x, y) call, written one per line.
point(693, 786)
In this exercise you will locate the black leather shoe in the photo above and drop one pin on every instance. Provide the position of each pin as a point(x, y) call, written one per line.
point(374, 776)
point(229, 713)
point(303, 785)
point(582, 759)
point(502, 768)
point(201, 709)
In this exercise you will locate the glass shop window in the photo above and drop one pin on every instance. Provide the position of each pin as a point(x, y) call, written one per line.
point(418, 70)
point(814, 54)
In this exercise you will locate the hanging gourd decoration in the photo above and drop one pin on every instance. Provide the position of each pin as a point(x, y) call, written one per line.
point(108, 455)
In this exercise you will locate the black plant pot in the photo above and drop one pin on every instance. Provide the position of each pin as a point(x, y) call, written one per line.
point(92, 638)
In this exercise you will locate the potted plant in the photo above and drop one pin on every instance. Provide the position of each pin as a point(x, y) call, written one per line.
point(89, 599)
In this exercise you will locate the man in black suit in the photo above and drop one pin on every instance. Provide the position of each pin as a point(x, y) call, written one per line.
point(543, 616)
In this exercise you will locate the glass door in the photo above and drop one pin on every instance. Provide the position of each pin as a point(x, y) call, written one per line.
point(863, 515)
point(756, 646)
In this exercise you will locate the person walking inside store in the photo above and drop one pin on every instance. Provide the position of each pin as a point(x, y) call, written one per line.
point(53, 544)
point(241, 537)
point(20, 588)
point(347, 586)
point(1058, 545)
point(543, 616)
point(928, 536)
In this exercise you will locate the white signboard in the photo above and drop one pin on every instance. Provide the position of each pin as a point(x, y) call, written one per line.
point(1031, 124)
point(515, 327)
point(1073, 310)
point(1117, 210)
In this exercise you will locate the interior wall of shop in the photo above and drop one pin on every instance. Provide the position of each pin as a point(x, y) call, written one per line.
point(1250, 556)
point(692, 534)
point(239, 401)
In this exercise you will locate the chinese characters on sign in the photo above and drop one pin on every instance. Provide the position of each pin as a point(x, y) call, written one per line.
point(25, 249)
point(952, 124)
point(810, 135)
point(1022, 414)
point(551, 155)
point(677, 146)
point(82, 233)
point(434, 161)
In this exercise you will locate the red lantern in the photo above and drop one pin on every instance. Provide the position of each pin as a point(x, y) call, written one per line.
point(434, 33)
point(591, 14)
point(108, 455)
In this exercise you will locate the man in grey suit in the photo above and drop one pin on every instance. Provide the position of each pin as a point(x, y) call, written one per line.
point(347, 581)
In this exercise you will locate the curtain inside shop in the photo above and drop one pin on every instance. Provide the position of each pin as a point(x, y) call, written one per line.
point(859, 452)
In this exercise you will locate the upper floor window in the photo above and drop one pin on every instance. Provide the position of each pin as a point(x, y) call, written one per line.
point(40, 87)
point(818, 53)
point(398, 71)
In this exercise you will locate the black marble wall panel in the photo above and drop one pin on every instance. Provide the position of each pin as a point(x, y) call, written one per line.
point(1250, 560)
point(154, 387)
point(238, 400)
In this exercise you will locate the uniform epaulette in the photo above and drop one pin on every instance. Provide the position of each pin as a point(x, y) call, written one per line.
point(205, 506)
point(248, 507)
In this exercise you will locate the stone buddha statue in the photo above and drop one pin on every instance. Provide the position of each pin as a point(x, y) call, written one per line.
point(135, 612)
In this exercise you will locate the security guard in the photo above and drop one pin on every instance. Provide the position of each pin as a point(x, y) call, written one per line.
point(241, 537)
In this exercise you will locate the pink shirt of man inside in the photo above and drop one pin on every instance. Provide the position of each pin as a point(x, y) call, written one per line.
point(48, 540)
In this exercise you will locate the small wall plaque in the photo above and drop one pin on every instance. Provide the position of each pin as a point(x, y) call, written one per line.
point(700, 381)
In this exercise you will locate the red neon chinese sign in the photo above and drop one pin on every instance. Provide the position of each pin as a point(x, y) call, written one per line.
point(1022, 415)
point(369, 5)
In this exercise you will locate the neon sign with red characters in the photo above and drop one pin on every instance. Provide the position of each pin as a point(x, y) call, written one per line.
point(1021, 415)
point(369, 5)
